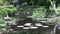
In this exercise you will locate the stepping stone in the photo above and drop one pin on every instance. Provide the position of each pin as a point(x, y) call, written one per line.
point(26, 27)
point(27, 24)
point(38, 24)
point(32, 27)
point(20, 26)
point(45, 26)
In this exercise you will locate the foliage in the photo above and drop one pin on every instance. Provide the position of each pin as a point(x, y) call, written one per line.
point(10, 10)
point(4, 2)
point(57, 19)
point(38, 14)
point(37, 2)
point(5, 10)
point(58, 10)
point(2, 12)
point(2, 21)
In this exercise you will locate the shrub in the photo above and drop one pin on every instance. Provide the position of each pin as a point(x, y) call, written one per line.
point(2, 21)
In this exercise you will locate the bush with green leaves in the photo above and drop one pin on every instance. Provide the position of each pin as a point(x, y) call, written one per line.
point(10, 10)
point(4, 11)
point(55, 21)
point(2, 21)
point(6, 8)
point(38, 14)
point(58, 11)
point(4, 2)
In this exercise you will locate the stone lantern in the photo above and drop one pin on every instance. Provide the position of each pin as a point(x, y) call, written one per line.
point(7, 19)
point(8, 22)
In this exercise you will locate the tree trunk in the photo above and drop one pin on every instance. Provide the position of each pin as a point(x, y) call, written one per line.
point(53, 4)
